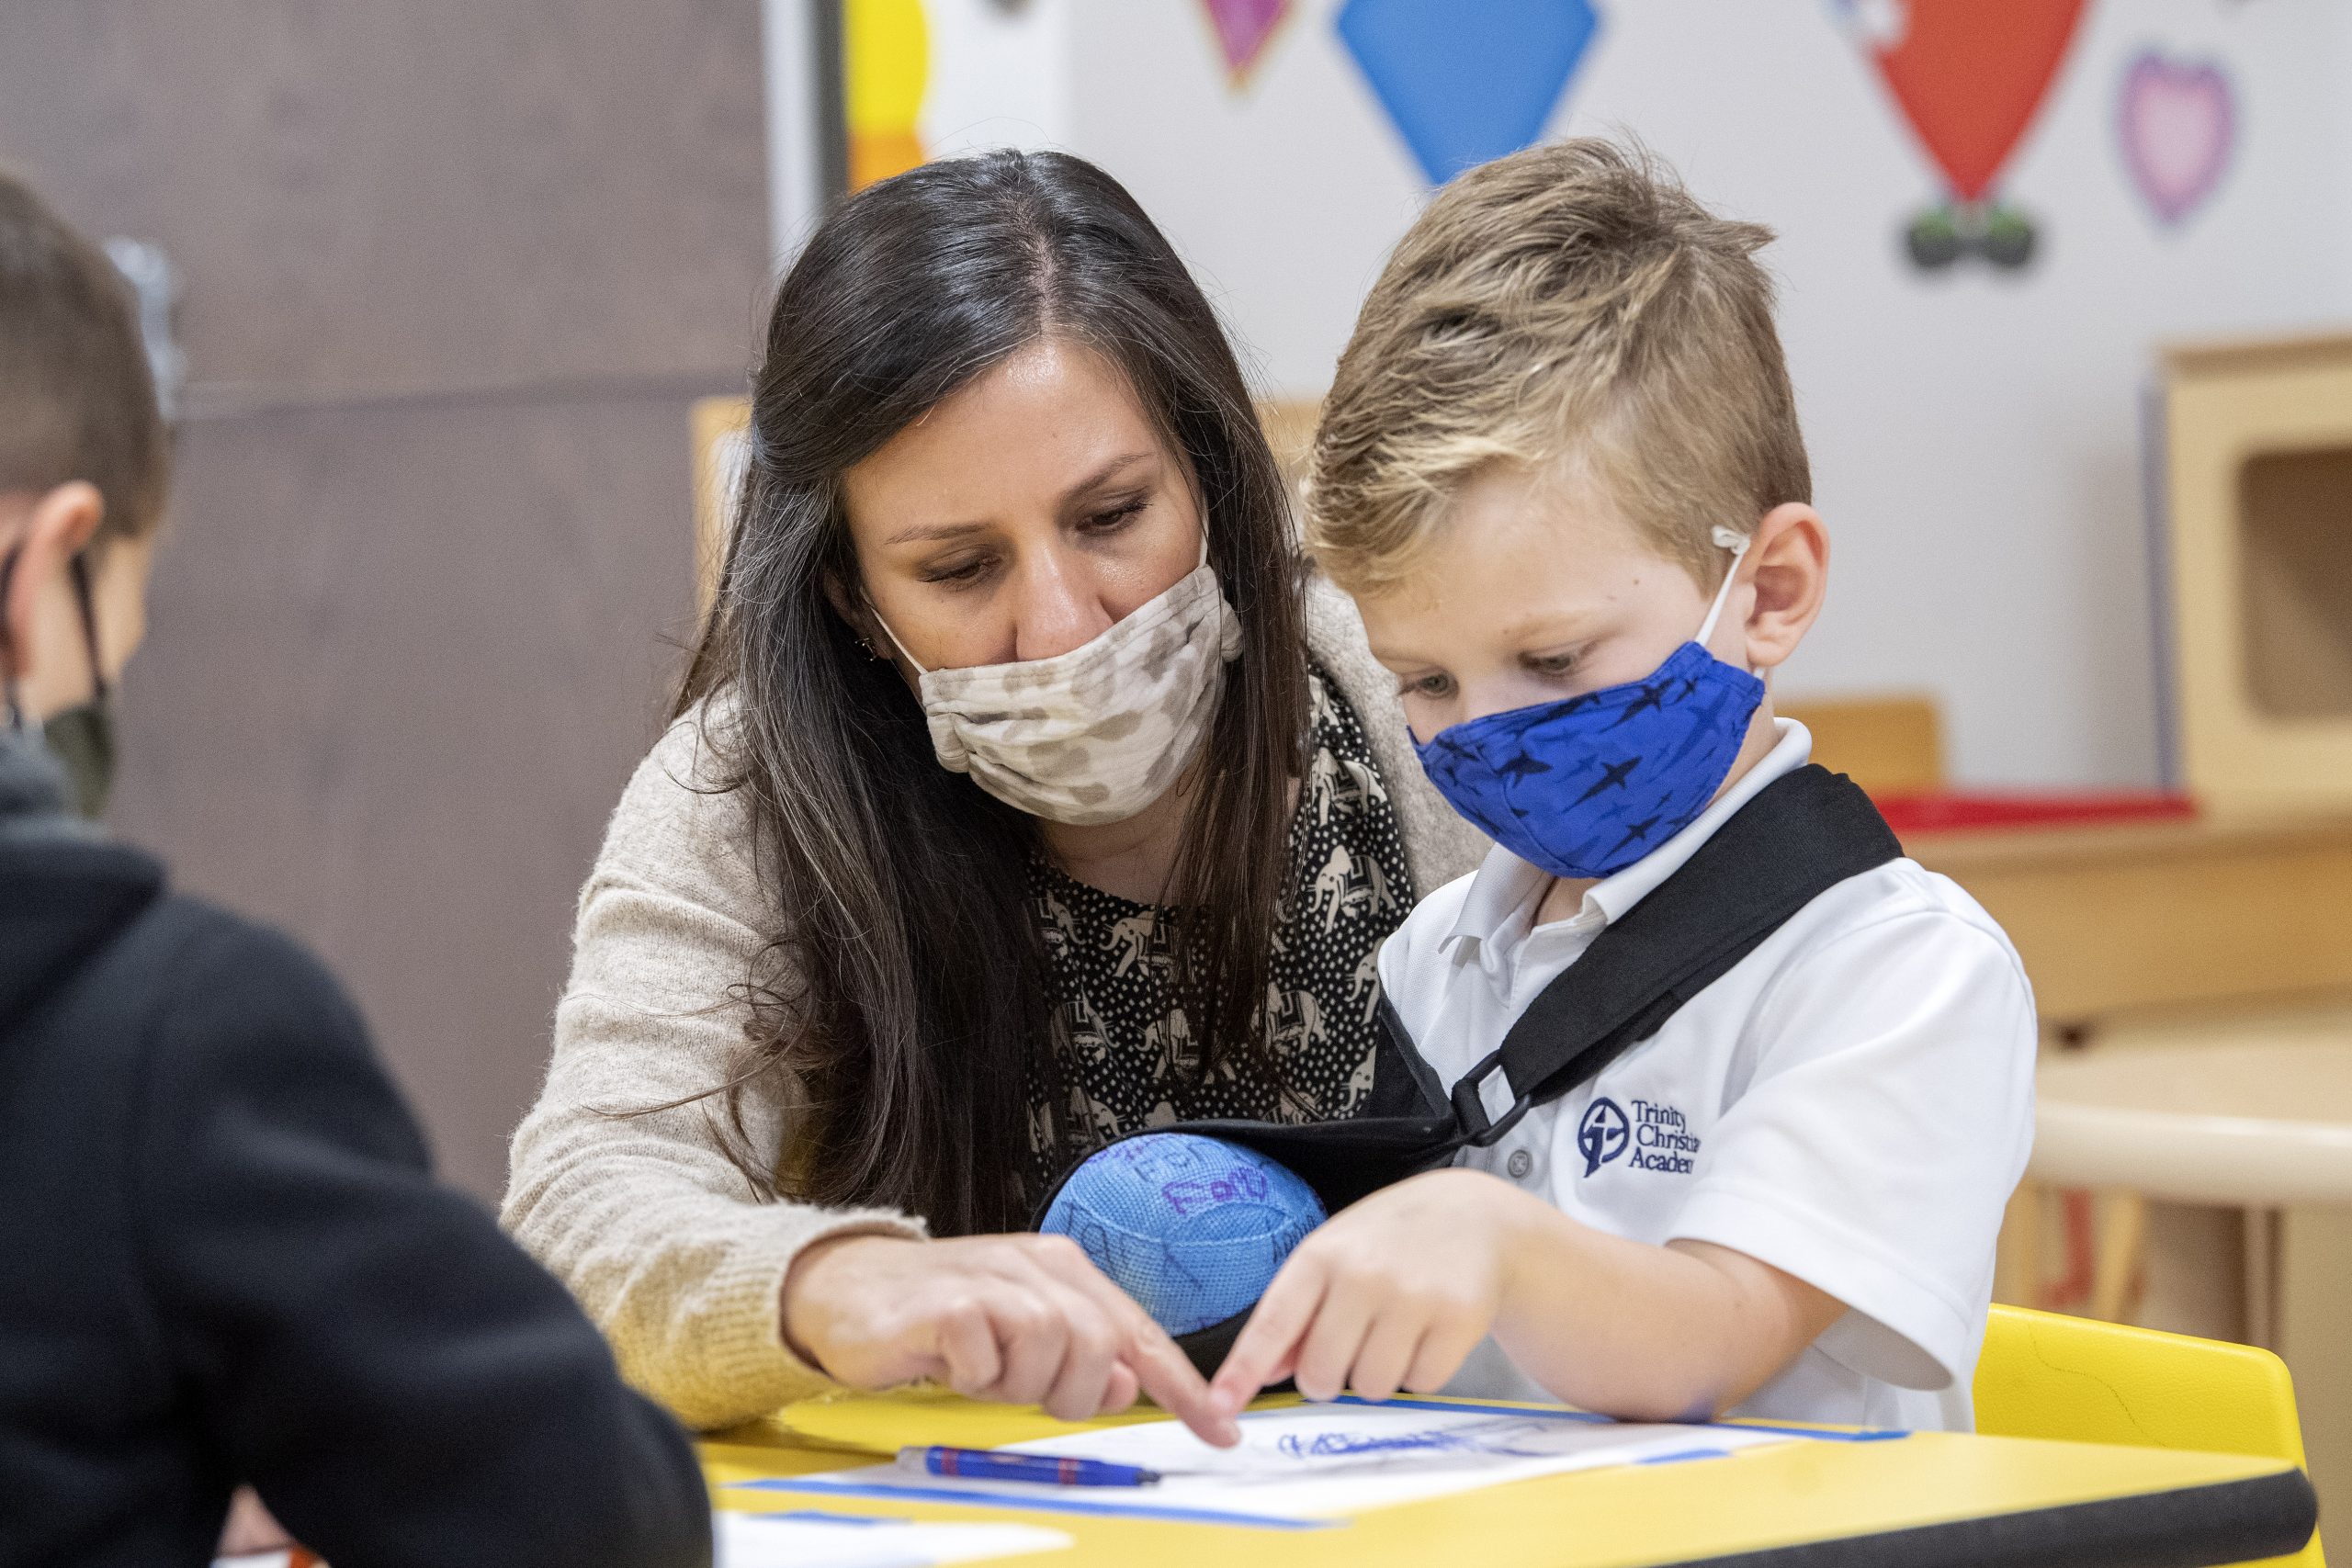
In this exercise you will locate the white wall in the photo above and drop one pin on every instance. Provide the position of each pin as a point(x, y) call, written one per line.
point(1976, 437)
point(1001, 75)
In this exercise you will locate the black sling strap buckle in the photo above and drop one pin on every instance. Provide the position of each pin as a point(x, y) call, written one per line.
point(1480, 1131)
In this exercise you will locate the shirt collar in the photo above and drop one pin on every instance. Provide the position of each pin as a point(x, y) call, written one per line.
point(1505, 890)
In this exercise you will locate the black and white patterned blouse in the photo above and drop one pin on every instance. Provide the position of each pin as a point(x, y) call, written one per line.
point(1128, 1059)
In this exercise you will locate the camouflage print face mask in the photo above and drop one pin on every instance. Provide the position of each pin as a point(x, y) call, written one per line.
point(1096, 734)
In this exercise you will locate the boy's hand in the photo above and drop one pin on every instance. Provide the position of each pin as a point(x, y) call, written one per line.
point(1390, 1293)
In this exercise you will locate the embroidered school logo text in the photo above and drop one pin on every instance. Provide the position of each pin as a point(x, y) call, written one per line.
point(1662, 1139)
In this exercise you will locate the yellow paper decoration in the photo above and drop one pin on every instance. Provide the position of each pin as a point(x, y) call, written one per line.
point(887, 65)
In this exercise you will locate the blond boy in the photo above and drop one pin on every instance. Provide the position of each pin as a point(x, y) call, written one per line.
point(1561, 472)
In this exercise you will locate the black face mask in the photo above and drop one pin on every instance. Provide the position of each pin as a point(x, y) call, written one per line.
point(82, 737)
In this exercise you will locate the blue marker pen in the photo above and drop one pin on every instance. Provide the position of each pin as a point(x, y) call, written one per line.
point(1039, 1469)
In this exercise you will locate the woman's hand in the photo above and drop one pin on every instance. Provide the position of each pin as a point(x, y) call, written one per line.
point(1025, 1319)
point(1390, 1293)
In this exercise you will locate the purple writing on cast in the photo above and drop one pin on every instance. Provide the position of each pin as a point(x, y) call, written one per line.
point(1202, 1192)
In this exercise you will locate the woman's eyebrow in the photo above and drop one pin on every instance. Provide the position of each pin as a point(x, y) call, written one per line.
point(932, 533)
point(924, 533)
point(1104, 474)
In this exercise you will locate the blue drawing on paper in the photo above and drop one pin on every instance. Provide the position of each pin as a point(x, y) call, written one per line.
point(1487, 1438)
point(1467, 83)
point(1327, 1444)
point(1193, 1228)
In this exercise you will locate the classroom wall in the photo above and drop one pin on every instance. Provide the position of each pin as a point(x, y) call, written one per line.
point(453, 275)
point(1976, 438)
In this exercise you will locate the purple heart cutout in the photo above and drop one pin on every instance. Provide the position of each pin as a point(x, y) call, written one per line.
point(2177, 121)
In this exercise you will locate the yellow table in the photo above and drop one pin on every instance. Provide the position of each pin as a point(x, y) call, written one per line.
point(1930, 1498)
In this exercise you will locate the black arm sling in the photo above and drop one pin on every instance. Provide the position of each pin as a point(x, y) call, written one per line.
point(1799, 836)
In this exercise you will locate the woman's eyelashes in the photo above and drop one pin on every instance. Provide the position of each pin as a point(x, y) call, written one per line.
point(959, 571)
point(968, 567)
point(1117, 515)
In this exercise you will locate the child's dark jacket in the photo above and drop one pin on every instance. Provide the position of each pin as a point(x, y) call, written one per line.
point(222, 1260)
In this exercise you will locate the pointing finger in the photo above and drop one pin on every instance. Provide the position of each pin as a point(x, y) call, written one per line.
point(1167, 1375)
point(1159, 1369)
point(1271, 1338)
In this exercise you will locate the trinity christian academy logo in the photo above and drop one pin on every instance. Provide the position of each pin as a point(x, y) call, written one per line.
point(1657, 1135)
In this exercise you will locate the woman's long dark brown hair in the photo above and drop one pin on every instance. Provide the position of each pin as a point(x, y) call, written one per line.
point(904, 986)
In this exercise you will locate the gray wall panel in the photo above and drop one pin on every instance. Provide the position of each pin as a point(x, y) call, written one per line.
point(427, 194)
point(401, 662)
point(452, 269)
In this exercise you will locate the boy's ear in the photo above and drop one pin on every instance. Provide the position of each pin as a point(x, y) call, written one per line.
point(1789, 559)
point(41, 539)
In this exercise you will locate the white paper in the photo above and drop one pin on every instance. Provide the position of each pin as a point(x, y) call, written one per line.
point(1321, 1462)
point(814, 1539)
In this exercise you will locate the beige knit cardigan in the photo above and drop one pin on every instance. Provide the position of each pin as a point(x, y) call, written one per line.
point(678, 1257)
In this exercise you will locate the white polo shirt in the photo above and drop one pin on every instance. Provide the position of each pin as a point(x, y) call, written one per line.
point(1852, 1103)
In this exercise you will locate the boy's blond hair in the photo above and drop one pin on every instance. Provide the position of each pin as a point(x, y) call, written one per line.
point(1569, 304)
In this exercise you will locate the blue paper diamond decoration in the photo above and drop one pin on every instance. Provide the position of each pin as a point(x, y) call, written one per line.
point(1467, 82)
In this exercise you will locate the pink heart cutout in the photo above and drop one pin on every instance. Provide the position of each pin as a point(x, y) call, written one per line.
point(2178, 124)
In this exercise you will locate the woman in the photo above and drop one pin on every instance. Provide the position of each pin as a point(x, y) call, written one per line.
point(1021, 794)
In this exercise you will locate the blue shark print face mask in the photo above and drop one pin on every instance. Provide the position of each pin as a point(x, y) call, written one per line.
point(1584, 786)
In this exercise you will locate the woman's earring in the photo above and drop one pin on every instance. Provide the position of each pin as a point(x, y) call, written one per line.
point(867, 644)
